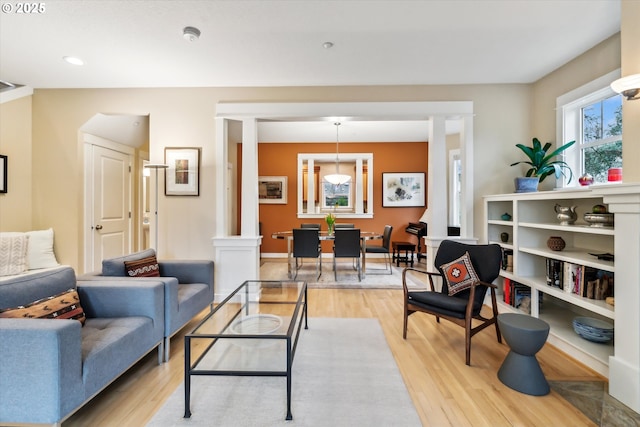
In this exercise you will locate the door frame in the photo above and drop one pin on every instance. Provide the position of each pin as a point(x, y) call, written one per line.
point(436, 113)
point(89, 140)
point(143, 158)
point(238, 257)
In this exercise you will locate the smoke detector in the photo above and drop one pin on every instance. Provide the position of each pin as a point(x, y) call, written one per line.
point(191, 33)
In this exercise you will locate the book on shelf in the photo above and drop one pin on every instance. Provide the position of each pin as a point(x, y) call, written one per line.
point(522, 298)
point(596, 284)
point(518, 295)
point(581, 280)
point(588, 281)
point(554, 273)
point(507, 259)
point(570, 276)
point(549, 271)
point(506, 290)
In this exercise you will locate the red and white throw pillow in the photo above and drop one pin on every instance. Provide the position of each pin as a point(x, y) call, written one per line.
point(459, 274)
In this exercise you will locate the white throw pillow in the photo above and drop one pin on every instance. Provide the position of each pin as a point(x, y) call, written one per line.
point(13, 253)
point(40, 253)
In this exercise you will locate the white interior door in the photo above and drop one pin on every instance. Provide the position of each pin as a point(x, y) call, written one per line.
point(111, 218)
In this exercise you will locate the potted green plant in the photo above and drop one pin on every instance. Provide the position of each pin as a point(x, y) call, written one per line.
point(542, 165)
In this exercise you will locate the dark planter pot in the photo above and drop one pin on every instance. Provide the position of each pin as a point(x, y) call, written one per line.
point(526, 184)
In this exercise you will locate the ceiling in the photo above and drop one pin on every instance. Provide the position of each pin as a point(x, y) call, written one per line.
point(128, 129)
point(280, 43)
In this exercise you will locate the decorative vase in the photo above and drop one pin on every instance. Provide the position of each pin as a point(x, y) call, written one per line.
point(330, 229)
point(556, 243)
point(586, 179)
point(566, 214)
point(526, 184)
point(504, 237)
point(506, 217)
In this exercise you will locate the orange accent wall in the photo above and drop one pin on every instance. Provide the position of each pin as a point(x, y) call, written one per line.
point(280, 159)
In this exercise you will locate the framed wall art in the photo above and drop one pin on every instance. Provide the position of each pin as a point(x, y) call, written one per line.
point(182, 177)
point(272, 189)
point(403, 189)
point(3, 174)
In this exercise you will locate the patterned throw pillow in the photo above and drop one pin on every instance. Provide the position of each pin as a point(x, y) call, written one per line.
point(145, 267)
point(65, 305)
point(13, 253)
point(459, 274)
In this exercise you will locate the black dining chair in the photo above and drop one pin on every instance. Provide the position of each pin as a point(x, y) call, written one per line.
point(347, 245)
point(343, 225)
point(310, 225)
point(315, 226)
point(306, 244)
point(382, 249)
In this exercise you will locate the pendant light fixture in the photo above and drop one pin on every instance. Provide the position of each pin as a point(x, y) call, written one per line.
point(337, 178)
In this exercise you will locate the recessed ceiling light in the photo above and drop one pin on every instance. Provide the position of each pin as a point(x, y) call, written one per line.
point(191, 33)
point(73, 60)
point(327, 45)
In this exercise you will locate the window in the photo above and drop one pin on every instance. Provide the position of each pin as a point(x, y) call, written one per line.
point(351, 200)
point(601, 137)
point(338, 196)
point(592, 116)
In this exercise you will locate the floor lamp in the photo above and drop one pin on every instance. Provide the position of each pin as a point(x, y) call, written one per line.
point(156, 166)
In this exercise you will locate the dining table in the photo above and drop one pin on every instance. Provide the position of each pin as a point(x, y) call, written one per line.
point(365, 236)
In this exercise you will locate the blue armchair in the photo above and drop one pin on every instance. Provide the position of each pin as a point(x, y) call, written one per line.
point(188, 285)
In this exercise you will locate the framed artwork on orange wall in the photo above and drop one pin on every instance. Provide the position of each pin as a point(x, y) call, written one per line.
point(403, 189)
point(272, 189)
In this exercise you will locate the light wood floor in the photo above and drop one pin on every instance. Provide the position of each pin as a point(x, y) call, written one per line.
point(444, 390)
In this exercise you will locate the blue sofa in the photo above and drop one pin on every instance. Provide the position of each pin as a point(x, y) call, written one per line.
point(189, 287)
point(50, 367)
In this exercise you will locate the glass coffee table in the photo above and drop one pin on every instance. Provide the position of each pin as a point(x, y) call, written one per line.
point(253, 332)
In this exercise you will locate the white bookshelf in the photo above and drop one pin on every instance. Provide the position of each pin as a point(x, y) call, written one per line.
point(533, 221)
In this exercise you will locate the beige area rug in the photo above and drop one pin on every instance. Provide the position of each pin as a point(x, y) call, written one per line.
point(375, 278)
point(344, 374)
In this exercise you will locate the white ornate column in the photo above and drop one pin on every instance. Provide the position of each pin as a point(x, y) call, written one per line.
point(249, 193)
point(624, 365)
point(437, 186)
point(466, 157)
point(237, 258)
point(436, 189)
point(437, 177)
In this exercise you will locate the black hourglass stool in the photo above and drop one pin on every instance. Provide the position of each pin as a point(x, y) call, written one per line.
point(520, 370)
